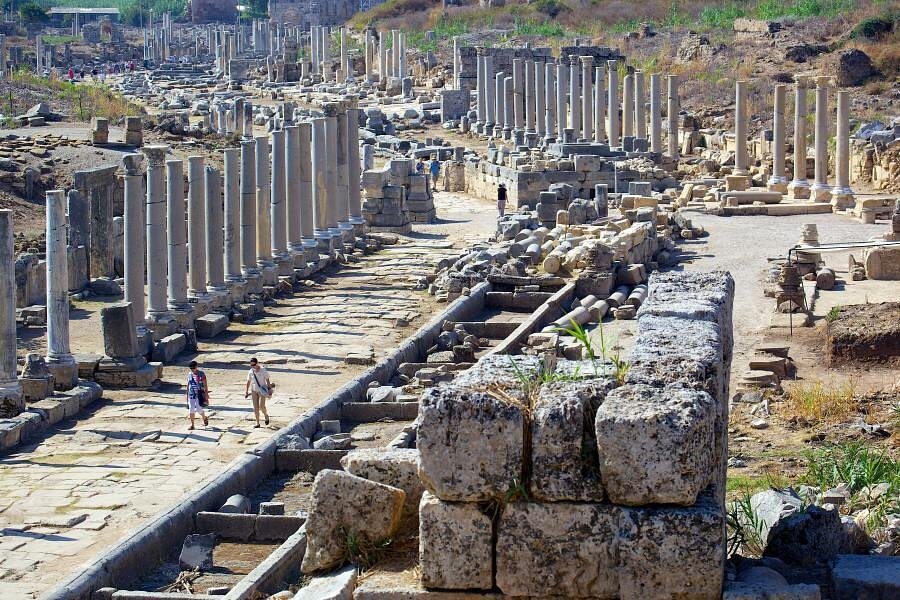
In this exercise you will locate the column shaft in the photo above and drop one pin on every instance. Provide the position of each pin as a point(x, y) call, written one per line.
point(529, 97)
point(263, 204)
point(320, 177)
point(550, 100)
point(540, 107)
point(799, 187)
point(197, 224)
point(9, 383)
point(518, 93)
point(842, 194)
point(640, 113)
point(307, 212)
point(672, 115)
point(562, 115)
point(628, 106)
point(331, 167)
point(574, 96)
point(612, 129)
point(741, 158)
point(279, 212)
point(59, 356)
point(820, 189)
point(292, 160)
point(134, 236)
point(489, 93)
point(656, 112)
point(587, 98)
point(232, 233)
point(215, 232)
point(177, 254)
point(157, 243)
point(354, 169)
point(342, 178)
point(778, 181)
point(248, 208)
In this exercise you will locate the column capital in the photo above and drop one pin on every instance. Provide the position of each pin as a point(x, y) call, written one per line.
point(823, 81)
point(132, 163)
point(612, 65)
point(587, 61)
point(156, 154)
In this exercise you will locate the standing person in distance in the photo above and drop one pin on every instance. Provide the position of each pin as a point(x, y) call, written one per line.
point(197, 394)
point(501, 199)
point(260, 386)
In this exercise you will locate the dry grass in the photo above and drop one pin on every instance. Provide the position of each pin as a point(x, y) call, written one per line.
point(815, 402)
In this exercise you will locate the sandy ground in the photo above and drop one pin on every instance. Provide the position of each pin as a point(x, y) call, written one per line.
point(131, 455)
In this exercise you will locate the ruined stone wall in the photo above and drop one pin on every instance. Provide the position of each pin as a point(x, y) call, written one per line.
point(312, 12)
point(208, 11)
point(611, 484)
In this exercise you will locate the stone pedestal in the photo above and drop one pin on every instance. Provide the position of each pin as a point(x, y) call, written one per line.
point(799, 186)
point(60, 361)
point(778, 182)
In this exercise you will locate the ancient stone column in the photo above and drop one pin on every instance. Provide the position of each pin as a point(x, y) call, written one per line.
point(354, 171)
point(11, 401)
point(518, 94)
point(248, 120)
point(509, 99)
point(278, 214)
point(529, 97)
point(395, 47)
point(215, 231)
point(292, 161)
point(232, 233)
point(655, 112)
point(540, 108)
point(320, 182)
point(499, 103)
point(314, 46)
point(331, 180)
point(307, 212)
point(599, 105)
point(587, 91)
point(197, 226)
point(821, 191)
point(612, 129)
point(672, 115)
point(263, 204)
point(342, 176)
point(248, 208)
point(60, 361)
point(562, 115)
point(799, 186)
point(403, 70)
point(842, 194)
point(157, 243)
point(640, 113)
point(134, 235)
point(549, 102)
point(574, 95)
point(489, 94)
point(177, 230)
point(741, 158)
point(628, 106)
point(345, 68)
point(778, 181)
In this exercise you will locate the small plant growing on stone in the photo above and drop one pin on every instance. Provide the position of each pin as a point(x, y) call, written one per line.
point(363, 552)
point(833, 314)
point(516, 492)
point(744, 528)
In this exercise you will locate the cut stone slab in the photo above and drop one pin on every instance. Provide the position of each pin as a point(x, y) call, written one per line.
point(197, 552)
point(673, 552)
point(211, 325)
point(334, 586)
point(672, 469)
point(341, 505)
point(736, 590)
point(858, 576)
point(398, 468)
point(169, 347)
point(564, 460)
point(568, 548)
point(455, 545)
point(471, 443)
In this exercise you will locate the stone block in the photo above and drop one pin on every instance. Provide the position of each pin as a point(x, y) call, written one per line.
point(398, 468)
point(455, 545)
point(197, 552)
point(882, 263)
point(169, 347)
point(226, 525)
point(334, 586)
point(856, 577)
point(52, 411)
point(565, 549)
point(471, 443)
point(564, 460)
point(210, 325)
point(673, 469)
point(143, 378)
point(343, 505)
point(276, 527)
point(119, 332)
point(669, 552)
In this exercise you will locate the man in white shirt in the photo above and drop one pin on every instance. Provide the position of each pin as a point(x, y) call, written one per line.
point(259, 385)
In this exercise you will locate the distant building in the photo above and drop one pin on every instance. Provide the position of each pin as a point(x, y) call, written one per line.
point(316, 12)
point(210, 11)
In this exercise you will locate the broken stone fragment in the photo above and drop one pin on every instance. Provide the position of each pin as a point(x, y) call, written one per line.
point(455, 545)
point(672, 469)
point(398, 468)
point(345, 508)
point(197, 552)
point(569, 548)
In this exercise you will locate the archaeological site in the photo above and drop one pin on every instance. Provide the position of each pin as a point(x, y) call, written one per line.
point(450, 300)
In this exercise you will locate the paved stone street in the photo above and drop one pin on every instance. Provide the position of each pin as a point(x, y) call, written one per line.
point(94, 479)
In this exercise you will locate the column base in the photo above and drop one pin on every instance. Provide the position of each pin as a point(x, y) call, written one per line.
point(842, 198)
point(284, 265)
point(820, 193)
point(161, 324)
point(799, 189)
point(268, 273)
point(311, 251)
point(498, 131)
point(64, 370)
point(359, 226)
point(298, 258)
point(347, 234)
point(219, 298)
point(324, 241)
point(777, 184)
point(254, 283)
point(12, 399)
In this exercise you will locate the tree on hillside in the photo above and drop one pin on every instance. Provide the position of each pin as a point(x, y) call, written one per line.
point(32, 13)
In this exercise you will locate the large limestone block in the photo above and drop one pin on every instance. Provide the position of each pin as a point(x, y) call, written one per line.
point(656, 444)
point(345, 505)
point(471, 432)
point(565, 549)
point(882, 263)
point(396, 467)
point(564, 460)
point(455, 545)
point(670, 552)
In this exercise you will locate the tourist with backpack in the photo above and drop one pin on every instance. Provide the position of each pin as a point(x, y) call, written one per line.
point(197, 394)
point(260, 387)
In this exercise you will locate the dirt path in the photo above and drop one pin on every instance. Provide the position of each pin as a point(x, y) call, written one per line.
point(132, 456)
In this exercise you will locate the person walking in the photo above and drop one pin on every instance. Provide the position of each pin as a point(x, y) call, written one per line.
point(197, 394)
point(435, 168)
point(260, 386)
point(420, 166)
point(501, 199)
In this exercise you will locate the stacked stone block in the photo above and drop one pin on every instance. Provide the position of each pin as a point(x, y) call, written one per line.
point(603, 487)
point(395, 196)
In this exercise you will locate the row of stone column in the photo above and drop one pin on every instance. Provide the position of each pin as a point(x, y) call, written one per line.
point(545, 100)
point(392, 59)
point(320, 50)
point(283, 197)
point(840, 194)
